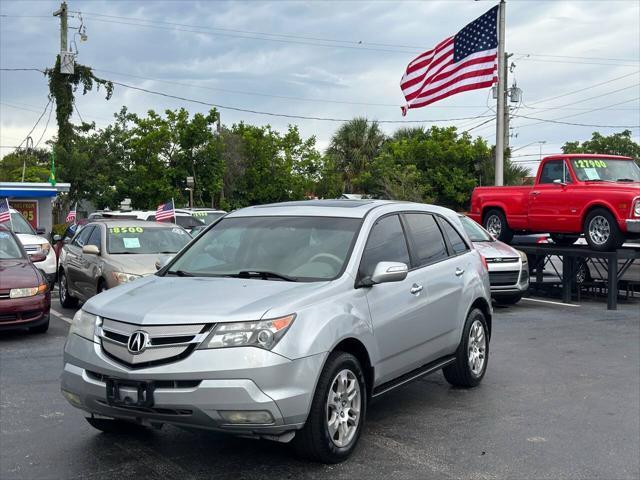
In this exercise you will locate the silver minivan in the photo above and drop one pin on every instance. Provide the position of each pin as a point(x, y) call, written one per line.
point(282, 321)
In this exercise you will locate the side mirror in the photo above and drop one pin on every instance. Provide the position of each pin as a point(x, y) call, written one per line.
point(37, 257)
point(56, 238)
point(67, 240)
point(40, 231)
point(557, 181)
point(163, 261)
point(386, 272)
point(91, 250)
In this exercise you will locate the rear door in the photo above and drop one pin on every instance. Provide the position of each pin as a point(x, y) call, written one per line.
point(440, 271)
point(397, 308)
point(91, 264)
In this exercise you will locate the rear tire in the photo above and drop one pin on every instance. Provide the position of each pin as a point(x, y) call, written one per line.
point(601, 231)
point(474, 345)
point(495, 222)
point(66, 300)
point(115, 426)
point(331, 401)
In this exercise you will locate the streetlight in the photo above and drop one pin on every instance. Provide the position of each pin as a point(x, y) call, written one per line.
point(529, 144)
point(190, 185)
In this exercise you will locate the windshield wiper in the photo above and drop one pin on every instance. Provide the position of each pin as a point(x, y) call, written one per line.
point(263, 274)
point(626, 180)
point(180, 273)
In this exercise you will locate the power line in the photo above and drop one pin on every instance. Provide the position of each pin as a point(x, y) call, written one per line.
point(45, 127)
point(578, 57)
point(21, 70)
point(36, 124)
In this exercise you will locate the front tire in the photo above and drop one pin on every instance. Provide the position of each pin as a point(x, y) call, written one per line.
point(337, 412)
point(472, 355)
point(66, 300)
point(601, 231)
point(495, 222)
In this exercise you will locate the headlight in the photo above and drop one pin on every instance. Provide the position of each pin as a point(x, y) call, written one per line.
point(523, 256)
point(122, 277)
point(263, 333)
point(27, 292)
point(84, 324)
point(45, 247)
point(636, 208)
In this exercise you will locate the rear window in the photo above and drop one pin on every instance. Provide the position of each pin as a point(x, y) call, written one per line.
point(145, 240)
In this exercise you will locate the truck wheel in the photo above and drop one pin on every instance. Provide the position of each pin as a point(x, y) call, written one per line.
point(472, 354)
point(601, 231)
point(564, 240)
point(337, 411)
point(66, 300)
point(496, 224)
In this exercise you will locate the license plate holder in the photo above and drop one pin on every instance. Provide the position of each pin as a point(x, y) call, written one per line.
point(144, 393)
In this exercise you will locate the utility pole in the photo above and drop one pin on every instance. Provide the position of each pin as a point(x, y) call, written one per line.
point(66, 57)
point(502, 84)
point(507, 108)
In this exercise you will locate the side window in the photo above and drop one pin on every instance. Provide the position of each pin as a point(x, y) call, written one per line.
point(386, 243)
point(458, 245)
point(94, 239)
point(426, 238)
point(552, 171)
point(81, 239)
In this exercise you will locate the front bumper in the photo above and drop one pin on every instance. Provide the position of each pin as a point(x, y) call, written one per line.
point(518, 287)
point(633, 226)
point(24, 312)
point(240, 379)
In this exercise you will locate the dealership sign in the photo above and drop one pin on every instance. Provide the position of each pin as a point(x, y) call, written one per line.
point(28, 209)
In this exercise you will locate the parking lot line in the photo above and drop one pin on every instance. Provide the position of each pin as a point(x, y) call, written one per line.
point(61, 316)
point(550, 302)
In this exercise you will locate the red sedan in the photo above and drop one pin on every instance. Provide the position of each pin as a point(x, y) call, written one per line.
point(25, 298)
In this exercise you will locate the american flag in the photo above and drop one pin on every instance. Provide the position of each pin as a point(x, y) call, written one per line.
point(165, 211)
point(5, 214)
point(466, 61)
point(71, 216)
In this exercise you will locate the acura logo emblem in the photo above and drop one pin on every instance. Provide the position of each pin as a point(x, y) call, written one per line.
point(137, 342)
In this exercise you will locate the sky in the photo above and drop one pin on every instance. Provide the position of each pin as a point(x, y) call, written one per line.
point(575, 61)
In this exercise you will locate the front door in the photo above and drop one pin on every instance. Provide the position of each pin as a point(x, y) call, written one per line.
point(91, 265)
point(551, 208)
point(397, 308)
point(73, 260)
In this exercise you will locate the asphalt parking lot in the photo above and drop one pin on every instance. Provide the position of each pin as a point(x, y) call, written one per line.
point(561, 399)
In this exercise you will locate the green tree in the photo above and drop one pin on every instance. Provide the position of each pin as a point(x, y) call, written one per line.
point(36, 163)
point(352, 150)
point(615, 144)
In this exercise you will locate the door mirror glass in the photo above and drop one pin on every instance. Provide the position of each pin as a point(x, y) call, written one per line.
point(163, 261)
point(386, 272)
point(91, 250)
point(557, 181)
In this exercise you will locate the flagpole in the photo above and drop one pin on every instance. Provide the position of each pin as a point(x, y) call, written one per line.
point(502, 80)
point(173, 205)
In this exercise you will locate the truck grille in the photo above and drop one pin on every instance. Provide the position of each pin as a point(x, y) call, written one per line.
point(500, 279)
point(164, 343)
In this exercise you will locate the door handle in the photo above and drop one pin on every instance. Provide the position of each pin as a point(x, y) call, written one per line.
point(535, 192)
point(459, 271)
point(416, 289)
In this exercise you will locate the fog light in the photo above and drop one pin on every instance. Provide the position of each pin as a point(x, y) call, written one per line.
point(72, 398)
point(245, 417)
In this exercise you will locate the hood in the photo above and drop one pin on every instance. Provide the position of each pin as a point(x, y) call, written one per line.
point(138, 263)
point(495, 250)
point(171, 300)
point(29, 239)
point(622, 187)
point(18, 273)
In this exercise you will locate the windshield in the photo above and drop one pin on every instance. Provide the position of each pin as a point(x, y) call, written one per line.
point(8, 247)
point(207, 217)
point(299, 248)
point(19, 225)
point(607, 170)
point(145, 240)
point(476, 232)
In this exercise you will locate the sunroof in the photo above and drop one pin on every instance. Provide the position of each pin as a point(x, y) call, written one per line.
point(320, 203)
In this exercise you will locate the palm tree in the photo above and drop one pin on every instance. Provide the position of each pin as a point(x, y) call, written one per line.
point(353, 147)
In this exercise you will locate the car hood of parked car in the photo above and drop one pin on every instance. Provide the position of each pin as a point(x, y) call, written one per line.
point(495, 249)
point(18, 273)
point(171, 300)
point(138, 264)
point(29, 239)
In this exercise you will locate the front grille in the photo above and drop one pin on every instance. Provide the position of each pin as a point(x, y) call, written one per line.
point(166, 343)
point(157, 383)
point(32, 248)
point(503, 260)
point(500, 279)
point(20, 316)
point(8, 317)
point(4, 294)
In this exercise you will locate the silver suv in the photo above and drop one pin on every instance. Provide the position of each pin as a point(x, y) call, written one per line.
point(283, 321)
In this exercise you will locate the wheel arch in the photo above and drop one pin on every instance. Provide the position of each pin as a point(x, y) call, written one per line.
point(356, 348)
point(485, 308)
point(487, 208)
point(593, 206)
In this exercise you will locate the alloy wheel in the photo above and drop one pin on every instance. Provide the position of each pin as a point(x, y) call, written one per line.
point(477, 348)
point(63, 288)
point(494, 225)
point(599, 230)
point(344, 403)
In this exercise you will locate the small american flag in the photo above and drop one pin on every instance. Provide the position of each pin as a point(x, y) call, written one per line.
point(466, 61)
point(5, 214)
point(165, 211)
point(71, 216)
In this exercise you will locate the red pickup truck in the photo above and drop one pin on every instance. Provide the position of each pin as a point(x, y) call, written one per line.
point(594, 195)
